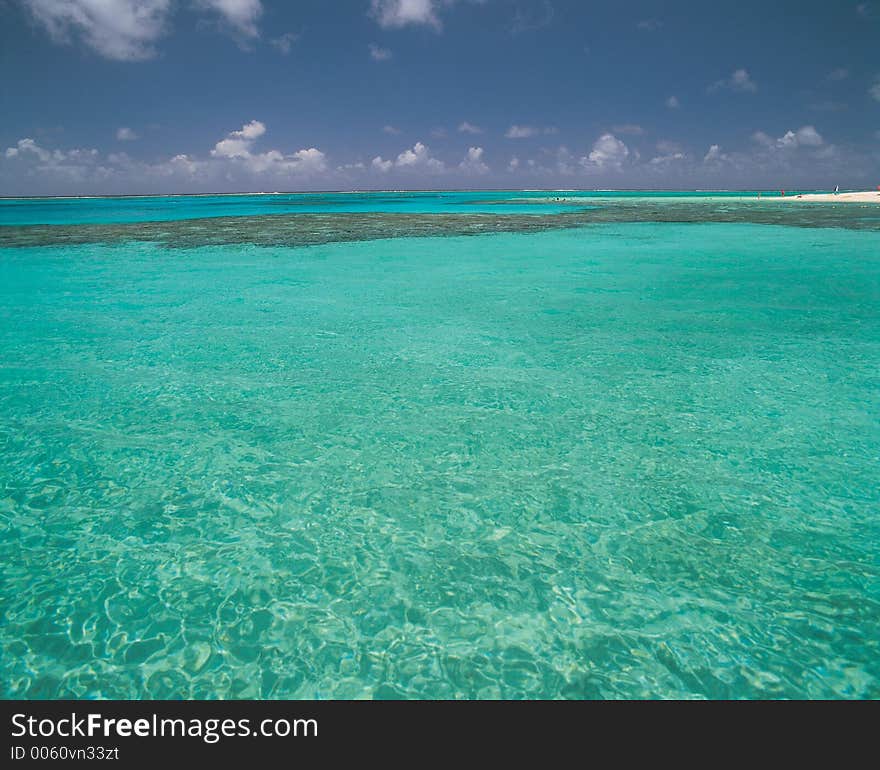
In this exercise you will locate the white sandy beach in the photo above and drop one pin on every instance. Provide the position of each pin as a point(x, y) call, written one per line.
point(869, 196)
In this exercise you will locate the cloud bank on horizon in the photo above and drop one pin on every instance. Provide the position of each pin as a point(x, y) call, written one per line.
point(139, 96)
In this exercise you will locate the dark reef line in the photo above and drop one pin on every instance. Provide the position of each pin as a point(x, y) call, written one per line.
point(316, 229)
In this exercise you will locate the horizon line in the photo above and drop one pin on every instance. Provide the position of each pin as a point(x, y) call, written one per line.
point(418, 190)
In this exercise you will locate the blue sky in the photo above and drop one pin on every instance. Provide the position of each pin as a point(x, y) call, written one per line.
point(139, 96)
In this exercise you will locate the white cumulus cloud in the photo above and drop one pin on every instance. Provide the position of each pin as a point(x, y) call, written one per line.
point(127, 30)
point(310, 161)
point(400, 13)
point(670, 152)
point(526, 132)
point(665, 160)
point(125, 134)
point(672, 103)
point(469, 128)
point(123, 30)
point(521, 132)
point(237, 146)
point(241, 15)
point(473, 162)
point(381, 164)
point(183, 163)
point(608, 152)
point(806, 136)
point(714, 155)
point(416, 157)
point(284, 43)
point(740, 81)
point(28, 146)
point(70, 166)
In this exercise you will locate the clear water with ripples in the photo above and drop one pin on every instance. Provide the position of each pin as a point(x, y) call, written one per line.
point(630, 459)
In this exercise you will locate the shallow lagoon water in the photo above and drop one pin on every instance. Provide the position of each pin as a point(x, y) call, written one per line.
point(169, 208)
point(630, 459)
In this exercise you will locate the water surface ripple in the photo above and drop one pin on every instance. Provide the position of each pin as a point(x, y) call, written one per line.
point(630, 459)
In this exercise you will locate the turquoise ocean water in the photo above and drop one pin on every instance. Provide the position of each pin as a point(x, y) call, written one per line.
point(618, 451)
point(25, 211)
